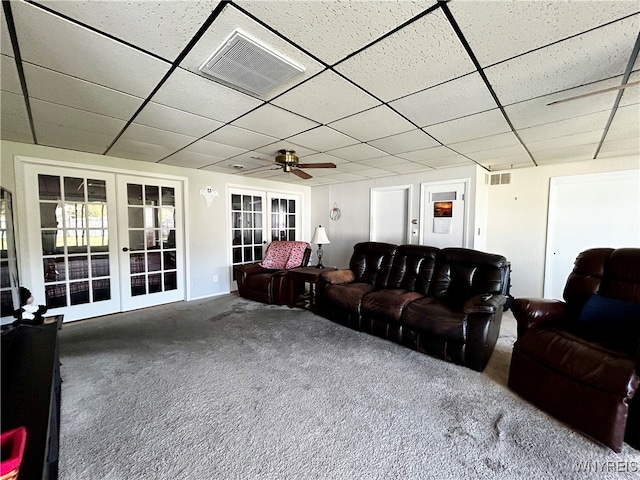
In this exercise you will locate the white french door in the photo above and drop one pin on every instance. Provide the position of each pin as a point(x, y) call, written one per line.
point(151, 241)
point(78, 222)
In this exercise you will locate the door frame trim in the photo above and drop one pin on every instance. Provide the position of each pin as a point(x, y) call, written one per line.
point(20, 161)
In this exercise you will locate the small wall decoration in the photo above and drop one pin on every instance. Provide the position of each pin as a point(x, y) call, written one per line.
point(335, 212)
point(442, 213)
point(209, 194)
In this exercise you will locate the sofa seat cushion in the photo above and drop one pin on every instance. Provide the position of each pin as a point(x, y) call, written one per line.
point(348, 297)
point(433, 317)
point(388, 303)
point(581, 360)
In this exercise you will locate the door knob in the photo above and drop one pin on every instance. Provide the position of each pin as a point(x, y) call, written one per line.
point(125, 249)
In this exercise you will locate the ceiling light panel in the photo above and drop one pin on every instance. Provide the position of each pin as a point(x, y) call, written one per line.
point(530, 24)
point(425, 53)
point(96, 58)
point(58, 88)
point(160, 27)
point(311, 99)
point(231, 20)
point(567, 64)
point(451, 100)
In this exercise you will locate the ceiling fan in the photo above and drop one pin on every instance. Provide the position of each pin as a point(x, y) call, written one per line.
point(289, 162)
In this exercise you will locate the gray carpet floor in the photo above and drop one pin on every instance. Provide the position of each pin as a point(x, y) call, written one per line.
point(226, 388)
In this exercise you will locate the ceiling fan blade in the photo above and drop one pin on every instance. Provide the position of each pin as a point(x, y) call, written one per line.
point(317, 165)
point(597, 92)
point(301, 174)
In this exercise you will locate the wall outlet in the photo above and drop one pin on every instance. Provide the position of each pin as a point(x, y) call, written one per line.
point(215, 278)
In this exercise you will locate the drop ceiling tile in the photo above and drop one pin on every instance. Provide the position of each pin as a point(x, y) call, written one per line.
point(78, 119)
point(160, 27)
point(373, 124)
point(357, 152)
point(215, 149)
point(189, 159)
point(507, 164)
point(136, 150)
point(393, 164)
point(240, 137)
point(448, 162)
point(177, 121)
point(407, 167)
point(155, 136)
point(458, 98)
point(370, 172)
point(509, 154)
point(562, 128)
point(5, 40)
point(195, 94)
point(631, 95)
point(55, 87)
point(15, 129)
point(559, 143)
point(479, 125)
point(245, 160)
point(339, 28)
point(13, 104)
point(625, 124)
point(275, 122)
point(404, 142)
point(351, 167)
point(590, 57)
point(312, 100)
point(324, 158)
point(578, 153)
point(423, 54)
point(494, 141)
point(620, 148)
point(344, 177)
point(322, 139)
point(531, 24)
point(9, 80)
point(422, 156)
point(68, 144)
point(231, 19)
point(96, 58)
point(272, 149)
point(67, 137)
point(537, 111)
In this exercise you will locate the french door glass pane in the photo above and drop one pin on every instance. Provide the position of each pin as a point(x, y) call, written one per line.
point(75, 241)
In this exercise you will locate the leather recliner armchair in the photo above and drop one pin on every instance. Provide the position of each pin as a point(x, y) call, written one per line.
point(267, 285)
point(579, 359)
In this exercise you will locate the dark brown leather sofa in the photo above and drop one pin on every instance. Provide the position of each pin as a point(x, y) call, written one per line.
point(579, 359)
point(446, 303)
point(265, 285)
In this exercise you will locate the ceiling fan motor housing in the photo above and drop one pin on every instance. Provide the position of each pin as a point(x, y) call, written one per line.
point(287, 158)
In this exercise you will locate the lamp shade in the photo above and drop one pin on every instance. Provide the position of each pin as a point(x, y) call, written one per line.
point(320, 236)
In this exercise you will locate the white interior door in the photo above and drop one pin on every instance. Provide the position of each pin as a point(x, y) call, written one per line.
point(443, 214)
point(151, 241)
point(72, 263)
point(389, 215)
point(589, 211)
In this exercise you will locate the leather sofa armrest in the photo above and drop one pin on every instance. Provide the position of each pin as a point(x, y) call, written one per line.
point(249, 269)
point(530, 312)
point(487, 303)
point(337, 277)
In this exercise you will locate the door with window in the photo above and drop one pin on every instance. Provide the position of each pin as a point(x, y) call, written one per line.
point(95, 250)
point(257, 218)
point(443, 214)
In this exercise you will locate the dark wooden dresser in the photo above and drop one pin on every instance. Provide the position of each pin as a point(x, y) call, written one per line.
point(31, 390)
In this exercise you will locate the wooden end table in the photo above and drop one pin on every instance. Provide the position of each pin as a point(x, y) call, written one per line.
point(298, 277)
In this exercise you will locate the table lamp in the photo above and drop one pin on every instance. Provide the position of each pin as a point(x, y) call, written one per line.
point(320, 237)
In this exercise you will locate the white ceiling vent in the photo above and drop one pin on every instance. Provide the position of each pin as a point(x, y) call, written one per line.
point(245, 64)
point(497, 179)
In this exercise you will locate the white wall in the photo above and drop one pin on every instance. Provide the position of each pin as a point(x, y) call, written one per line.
point(517, 217)
point(353, 199)
point(207, 239)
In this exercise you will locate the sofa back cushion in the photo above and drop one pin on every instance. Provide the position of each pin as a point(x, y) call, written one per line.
point(461, 273)
point(412, 268)
point(621, 278)
point(586, 277)
point(371, 262)
point(281, 255)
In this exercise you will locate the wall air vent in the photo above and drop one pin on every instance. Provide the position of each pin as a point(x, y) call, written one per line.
point(243, 63)
point(497, 179)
